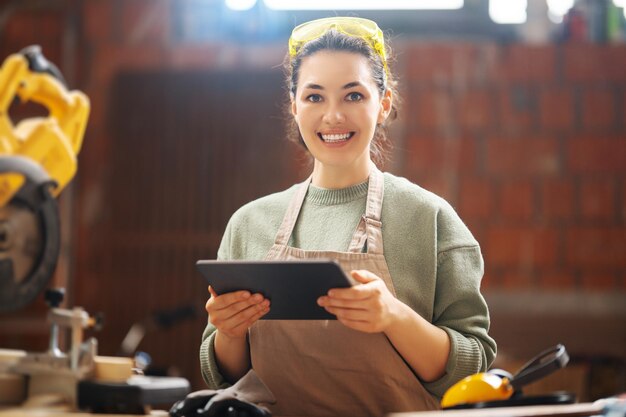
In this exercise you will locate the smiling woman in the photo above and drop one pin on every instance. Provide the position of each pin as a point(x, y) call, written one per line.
point(337, 111)
point(415, 323)
point(364, 52)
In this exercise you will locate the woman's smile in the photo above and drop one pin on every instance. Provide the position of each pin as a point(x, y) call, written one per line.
point(334, 138)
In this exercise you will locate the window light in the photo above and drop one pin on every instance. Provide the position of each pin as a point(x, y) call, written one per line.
point(508, 11)
point(364, 4)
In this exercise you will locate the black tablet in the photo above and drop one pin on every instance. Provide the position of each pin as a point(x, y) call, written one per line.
point(292, 287)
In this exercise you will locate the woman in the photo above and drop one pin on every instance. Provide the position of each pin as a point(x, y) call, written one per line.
point(416, 323)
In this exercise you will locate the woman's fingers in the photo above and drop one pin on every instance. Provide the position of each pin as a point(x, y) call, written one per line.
point(357, 304)
point(239, 306)
point(358, 292)
point(243, 318)
point(231, 303)
point(212, 292)
point(226, 300)
point(232, 313)
point(251, 320)
point(350, 314)
point(364, 276)
point(371, 286)
point(236, 308)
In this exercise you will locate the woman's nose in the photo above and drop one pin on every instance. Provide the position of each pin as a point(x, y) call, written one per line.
point(334, 114)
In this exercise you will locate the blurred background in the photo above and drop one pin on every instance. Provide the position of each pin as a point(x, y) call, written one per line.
point(514, 111)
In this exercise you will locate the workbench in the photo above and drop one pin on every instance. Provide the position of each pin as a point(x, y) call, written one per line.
point(565, 410)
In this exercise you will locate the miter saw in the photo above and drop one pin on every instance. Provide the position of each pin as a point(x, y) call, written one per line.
point(37, 160)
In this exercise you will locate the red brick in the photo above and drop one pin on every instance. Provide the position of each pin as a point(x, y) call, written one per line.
point(516, 200)
point(589, 154)
point(521, 247)
point(622, 208)
point(50, 26)
point(29, 28)
point(557, 199)
point(522, 156)
point(438, 154)
point(597, 199)
point(490, 279)
point(598, 109)
point(517, 280)
point(599, 280)
point(590, 62)
point(475, 109)
point(145, 21)
point(596, 247)
point(556, 109)
point(523, 63)
point(624, 106)
point(432, 109)
point(442, 185)
point(98, 20)
point(442, 62)
point(516, 109)
point(476, 198)
point(558, 279)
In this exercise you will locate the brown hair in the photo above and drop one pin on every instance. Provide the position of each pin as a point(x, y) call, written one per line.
point(337, 41)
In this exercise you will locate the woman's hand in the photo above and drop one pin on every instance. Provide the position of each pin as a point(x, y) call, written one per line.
point(233, 313)
point(369, 307)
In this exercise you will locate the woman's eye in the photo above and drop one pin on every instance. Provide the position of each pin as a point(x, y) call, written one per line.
point(355, 97)
point(315, 98)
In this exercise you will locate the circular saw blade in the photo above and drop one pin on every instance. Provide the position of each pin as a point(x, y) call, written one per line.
point(29, 235)
point(21, 244)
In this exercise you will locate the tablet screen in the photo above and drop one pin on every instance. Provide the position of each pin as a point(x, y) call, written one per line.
point(292, 287)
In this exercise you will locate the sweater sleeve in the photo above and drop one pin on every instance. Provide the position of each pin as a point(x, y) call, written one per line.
point(208, 364)
point(461, 311)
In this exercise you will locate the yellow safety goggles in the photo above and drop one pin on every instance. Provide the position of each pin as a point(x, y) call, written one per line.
point(365, 29)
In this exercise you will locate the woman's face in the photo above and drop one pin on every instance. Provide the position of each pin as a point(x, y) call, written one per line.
point(337, 107)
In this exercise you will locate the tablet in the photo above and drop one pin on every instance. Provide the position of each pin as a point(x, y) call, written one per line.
point(292, 287)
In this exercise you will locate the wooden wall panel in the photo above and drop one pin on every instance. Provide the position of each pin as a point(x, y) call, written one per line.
point(187, 149)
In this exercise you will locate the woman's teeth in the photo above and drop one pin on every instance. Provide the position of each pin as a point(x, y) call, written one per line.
point(336, 137)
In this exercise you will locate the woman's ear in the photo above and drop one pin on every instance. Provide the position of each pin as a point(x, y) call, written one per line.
point(385, 106)
point(294, 109)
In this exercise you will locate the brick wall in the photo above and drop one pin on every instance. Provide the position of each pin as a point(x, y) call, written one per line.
point(529, 144)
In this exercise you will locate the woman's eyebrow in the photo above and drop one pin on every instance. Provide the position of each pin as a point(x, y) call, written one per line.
point(314, 86)
point(345, 87)
point(352, 84)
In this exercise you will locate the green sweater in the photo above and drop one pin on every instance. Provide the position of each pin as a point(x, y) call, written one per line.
point(434, 261)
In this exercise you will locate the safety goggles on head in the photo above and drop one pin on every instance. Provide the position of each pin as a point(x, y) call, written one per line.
point(365, 29)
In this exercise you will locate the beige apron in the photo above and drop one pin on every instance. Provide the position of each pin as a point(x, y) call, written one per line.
point(322, 368)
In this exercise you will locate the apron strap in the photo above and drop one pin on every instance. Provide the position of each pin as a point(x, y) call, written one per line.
point(291, 216)
point(369, 229)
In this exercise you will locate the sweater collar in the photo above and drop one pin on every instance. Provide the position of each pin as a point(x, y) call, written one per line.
point(328, 197)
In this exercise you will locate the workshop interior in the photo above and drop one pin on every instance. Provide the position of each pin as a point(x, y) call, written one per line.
point(131, 130)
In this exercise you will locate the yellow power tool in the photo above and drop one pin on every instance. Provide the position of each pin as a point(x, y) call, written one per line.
point(499, 388)
point(37, 160)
